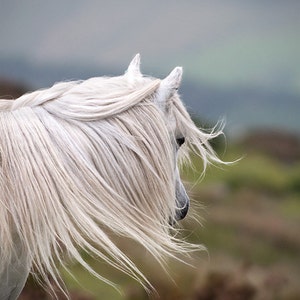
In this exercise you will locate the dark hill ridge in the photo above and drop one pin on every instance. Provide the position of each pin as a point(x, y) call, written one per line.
point(281, 145)
point(243, 108)
point(10, 89)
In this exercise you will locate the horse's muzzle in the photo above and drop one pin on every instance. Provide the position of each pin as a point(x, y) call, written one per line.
point(182, 212)
point(182, 201)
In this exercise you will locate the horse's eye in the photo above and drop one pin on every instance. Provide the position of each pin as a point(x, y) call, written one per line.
point(180, 141)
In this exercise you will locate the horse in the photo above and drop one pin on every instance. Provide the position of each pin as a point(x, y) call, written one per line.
point(84, 159)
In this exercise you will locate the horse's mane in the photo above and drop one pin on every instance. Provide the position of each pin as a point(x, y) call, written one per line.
point(71, 162)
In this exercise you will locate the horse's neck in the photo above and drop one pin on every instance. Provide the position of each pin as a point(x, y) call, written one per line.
point(14, 273)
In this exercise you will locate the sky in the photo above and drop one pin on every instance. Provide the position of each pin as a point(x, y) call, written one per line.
point(226, 43)
point(243, 57)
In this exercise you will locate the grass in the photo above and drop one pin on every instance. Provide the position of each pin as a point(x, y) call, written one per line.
point(251, 213)
point(290, 207)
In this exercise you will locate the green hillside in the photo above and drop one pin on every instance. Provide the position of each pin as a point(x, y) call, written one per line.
point(250, 216)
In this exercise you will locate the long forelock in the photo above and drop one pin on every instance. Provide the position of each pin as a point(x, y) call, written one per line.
point(197, 139)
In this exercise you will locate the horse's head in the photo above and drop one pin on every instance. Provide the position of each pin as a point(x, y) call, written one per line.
point(164, 98)
point(168, 90)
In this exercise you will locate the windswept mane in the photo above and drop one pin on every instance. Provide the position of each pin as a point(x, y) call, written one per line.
point(71, 162)
point(90, 100)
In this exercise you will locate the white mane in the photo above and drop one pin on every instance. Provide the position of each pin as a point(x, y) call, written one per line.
point(83, 159)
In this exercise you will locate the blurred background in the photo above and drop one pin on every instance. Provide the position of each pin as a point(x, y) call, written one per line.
point(241, 62)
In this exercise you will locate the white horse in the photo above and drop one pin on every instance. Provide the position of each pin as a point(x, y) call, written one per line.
point(83, 159)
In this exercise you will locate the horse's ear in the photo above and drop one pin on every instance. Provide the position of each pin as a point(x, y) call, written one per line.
point(133, 70)
point(169, 86)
